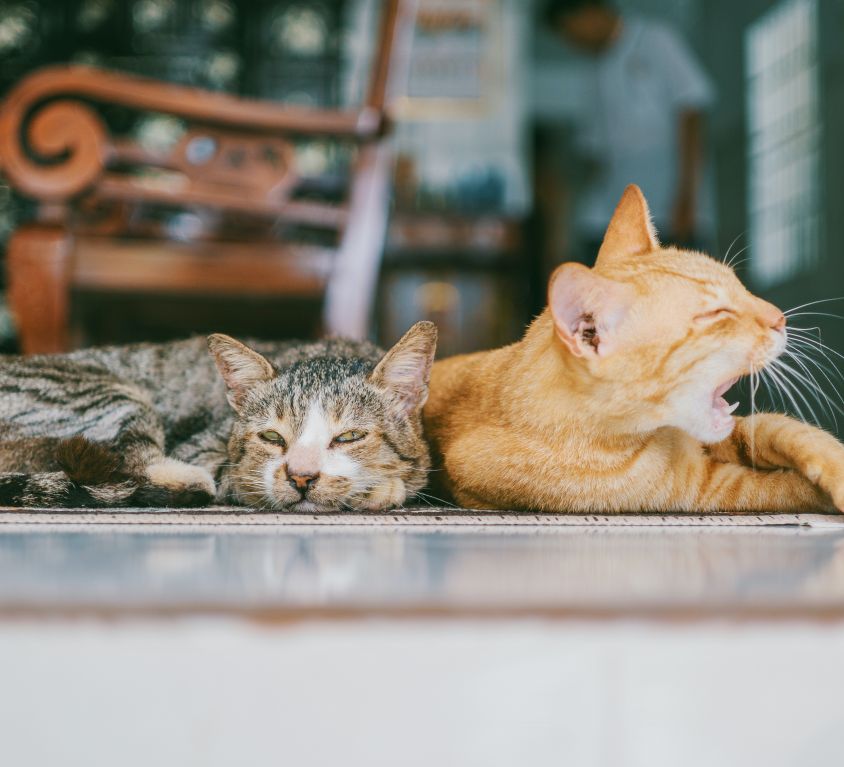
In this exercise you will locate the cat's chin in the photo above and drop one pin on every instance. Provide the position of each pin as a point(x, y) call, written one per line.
point(307, 507)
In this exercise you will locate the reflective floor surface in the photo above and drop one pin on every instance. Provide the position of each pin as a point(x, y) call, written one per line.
point(540, 570)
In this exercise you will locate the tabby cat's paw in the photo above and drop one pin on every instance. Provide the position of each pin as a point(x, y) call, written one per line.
point(390, 493)
point(175, 483)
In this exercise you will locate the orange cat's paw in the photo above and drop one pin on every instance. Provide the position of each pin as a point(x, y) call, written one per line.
point(828, 475)
point(837, 494)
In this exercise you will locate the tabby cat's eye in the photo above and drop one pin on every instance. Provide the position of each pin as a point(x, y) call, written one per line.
point(348, 436)
point(272, 436)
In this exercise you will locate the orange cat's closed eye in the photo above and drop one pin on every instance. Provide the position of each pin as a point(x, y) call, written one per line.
point(715, 314)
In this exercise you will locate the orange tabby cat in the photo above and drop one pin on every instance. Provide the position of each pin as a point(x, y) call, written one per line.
point(613, 399)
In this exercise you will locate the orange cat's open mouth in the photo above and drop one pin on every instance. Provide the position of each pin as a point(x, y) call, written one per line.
point(721, 409)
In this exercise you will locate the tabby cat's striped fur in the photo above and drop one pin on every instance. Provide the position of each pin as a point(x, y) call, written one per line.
point(160, 424)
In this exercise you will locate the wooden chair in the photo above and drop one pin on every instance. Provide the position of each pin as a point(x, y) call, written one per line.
point(235, 162)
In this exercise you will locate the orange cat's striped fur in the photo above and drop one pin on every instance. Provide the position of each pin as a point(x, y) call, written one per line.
point(612, 400)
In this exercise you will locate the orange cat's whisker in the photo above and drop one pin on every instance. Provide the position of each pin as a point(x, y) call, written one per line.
point(815, 314)
point(790, 312)
point(733, 263)
point(784, 369)
point(801, 356)
point(774, 391)
point(754, 385)
point(726, 259)
point(820, 345)
point(814, 388)
point(777, 377)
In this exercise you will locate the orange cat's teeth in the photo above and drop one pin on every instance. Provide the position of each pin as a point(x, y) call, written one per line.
point(724, 387)
point(732, 408)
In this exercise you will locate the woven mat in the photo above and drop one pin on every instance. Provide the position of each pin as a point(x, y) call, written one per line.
point(410, 517)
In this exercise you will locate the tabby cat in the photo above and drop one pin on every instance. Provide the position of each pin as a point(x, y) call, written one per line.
point(332, 425)
point(613, 400)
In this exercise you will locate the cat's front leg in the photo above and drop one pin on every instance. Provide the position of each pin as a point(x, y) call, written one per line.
point(731, 487)
point(773, 440)
point(204, 460)
point(167, 480)
point(182, 484)
point(136, 434)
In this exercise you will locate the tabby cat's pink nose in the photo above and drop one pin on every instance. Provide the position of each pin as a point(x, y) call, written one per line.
point(302, 482)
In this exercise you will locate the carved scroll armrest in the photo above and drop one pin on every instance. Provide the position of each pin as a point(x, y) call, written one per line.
point(54, 144)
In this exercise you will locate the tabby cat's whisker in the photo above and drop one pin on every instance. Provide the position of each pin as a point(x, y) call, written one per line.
point(423, 499)
point(438, 500)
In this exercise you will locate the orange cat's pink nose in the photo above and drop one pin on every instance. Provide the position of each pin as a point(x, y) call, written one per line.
point(771, 316)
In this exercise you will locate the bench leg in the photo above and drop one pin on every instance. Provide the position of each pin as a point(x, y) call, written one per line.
point(38, 268)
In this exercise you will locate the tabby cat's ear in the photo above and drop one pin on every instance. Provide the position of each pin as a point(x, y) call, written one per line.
point(587, 309)
point(630, 232)
point(240, 367)
point(406, 368)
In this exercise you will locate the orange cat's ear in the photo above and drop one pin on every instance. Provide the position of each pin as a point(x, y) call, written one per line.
point(630, 232)
point(587, 309)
